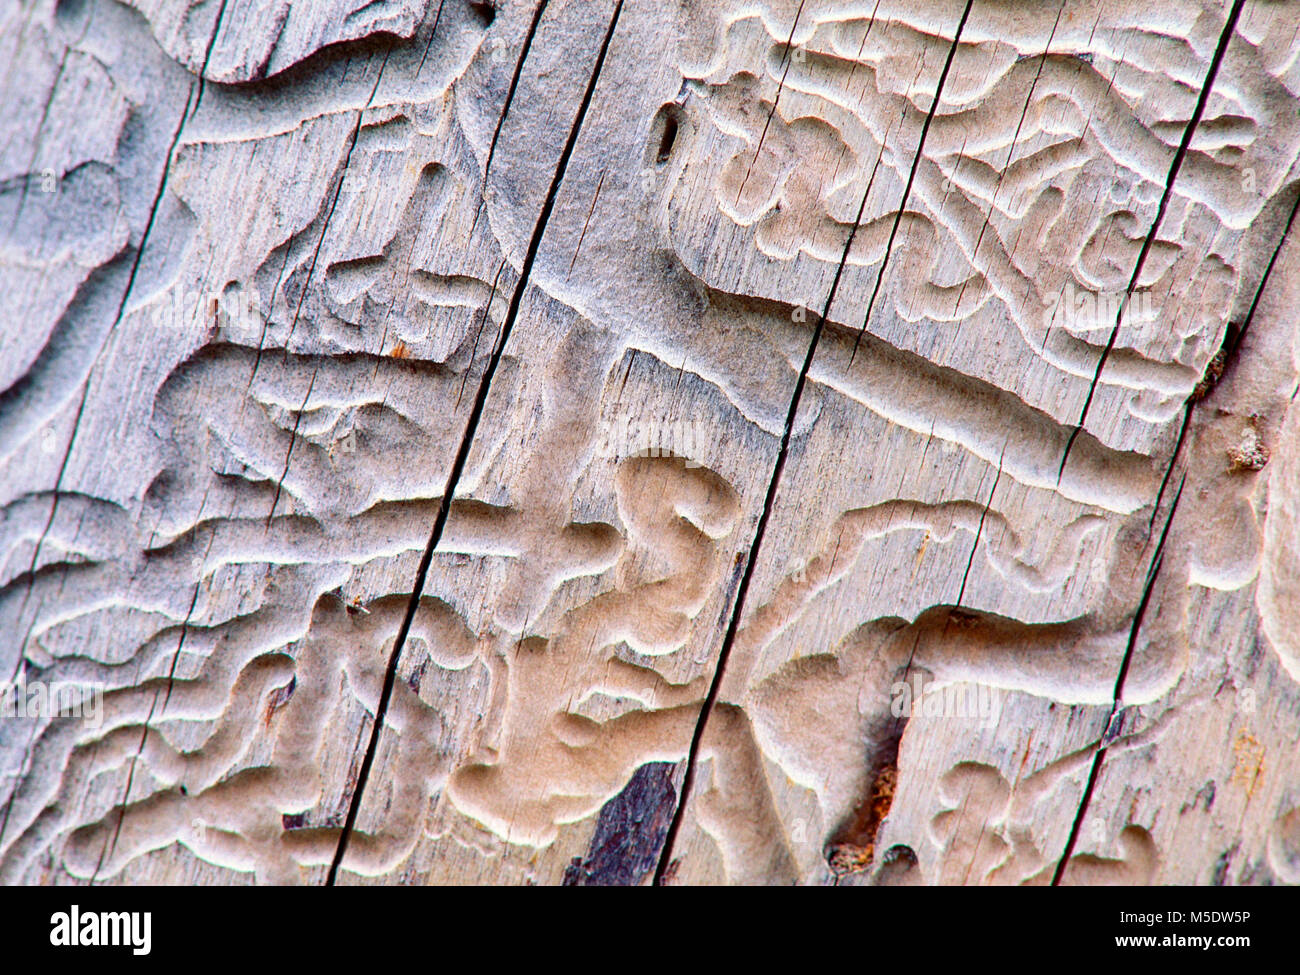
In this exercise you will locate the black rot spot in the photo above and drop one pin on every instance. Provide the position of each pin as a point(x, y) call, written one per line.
point(630, 832)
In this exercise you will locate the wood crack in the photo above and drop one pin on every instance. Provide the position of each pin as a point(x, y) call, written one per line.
point(462, 454)
point(911, 177)
point(191, 105)
point(1215, 63)
point(1117, 697)
point(769, 502)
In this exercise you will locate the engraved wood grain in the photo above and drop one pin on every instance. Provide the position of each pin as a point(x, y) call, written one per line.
point(729, 367)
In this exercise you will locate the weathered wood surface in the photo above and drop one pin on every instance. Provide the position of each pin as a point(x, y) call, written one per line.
point(548, 441)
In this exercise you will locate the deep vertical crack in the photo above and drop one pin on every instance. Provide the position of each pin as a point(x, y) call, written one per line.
point(911, 178)
point(769, 501)
point(1216, 62)
point(462, 453)
point(1232, 342)
point(1117, 694)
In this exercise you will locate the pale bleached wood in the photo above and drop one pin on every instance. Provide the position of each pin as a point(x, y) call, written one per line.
point(221, 419)
point(231, 541)
point(989, 527)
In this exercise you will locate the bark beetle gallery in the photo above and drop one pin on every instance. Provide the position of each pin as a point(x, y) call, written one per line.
point(616, 442)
